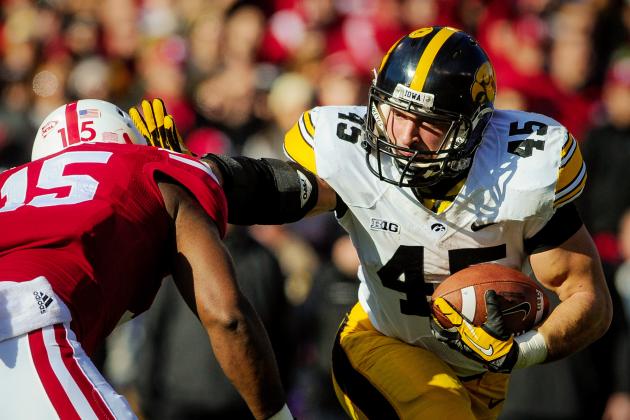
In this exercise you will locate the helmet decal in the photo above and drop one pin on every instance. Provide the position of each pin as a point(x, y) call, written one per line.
point(89, 113)
point(424, 100)
point(428, 57)
point(48, 127)
point(419, 33)
point(484, 86)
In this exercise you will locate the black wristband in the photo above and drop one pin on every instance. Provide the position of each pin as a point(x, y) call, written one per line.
point(265, 191)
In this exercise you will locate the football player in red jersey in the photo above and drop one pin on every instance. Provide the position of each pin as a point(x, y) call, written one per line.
point(89, 229)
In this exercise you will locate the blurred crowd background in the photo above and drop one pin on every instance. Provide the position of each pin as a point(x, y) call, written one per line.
point(236, 75)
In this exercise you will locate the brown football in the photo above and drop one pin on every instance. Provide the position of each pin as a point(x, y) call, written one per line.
point(523, 302)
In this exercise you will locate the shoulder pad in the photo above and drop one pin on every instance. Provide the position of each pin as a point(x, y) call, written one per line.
point(517, 165)
point(299, 140)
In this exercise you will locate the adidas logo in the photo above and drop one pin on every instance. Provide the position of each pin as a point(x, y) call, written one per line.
point(43, 301)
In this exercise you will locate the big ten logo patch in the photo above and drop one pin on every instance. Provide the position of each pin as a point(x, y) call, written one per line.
point(384, 225)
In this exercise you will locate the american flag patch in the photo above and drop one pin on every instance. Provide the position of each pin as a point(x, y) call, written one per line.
point(108, 136)
point(89, 113)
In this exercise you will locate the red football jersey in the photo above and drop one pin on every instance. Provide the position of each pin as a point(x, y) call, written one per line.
point(91, 219)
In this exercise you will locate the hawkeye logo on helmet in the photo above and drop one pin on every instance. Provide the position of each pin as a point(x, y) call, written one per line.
point(484, 86)
point(423, 99)
point(419, 33)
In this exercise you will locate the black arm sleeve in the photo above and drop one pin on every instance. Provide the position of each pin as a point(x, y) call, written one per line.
point(562, 225)
point(265, 191)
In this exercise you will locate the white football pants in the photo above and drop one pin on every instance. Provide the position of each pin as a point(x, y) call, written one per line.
point(45, 374)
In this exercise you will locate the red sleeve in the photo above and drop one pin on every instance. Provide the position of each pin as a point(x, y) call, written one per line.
point(197, 178)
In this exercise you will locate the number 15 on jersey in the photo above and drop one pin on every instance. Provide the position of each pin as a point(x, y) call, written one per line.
point(14, 192)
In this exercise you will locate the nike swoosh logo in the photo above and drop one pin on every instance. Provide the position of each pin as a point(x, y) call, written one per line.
point(524, 307)
point(476, 227)
point(493, 403)
point(488, 351)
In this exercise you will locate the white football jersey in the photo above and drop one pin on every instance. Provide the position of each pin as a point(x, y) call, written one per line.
point(526, 166)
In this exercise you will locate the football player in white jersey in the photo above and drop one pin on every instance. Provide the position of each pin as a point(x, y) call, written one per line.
point(428, 179)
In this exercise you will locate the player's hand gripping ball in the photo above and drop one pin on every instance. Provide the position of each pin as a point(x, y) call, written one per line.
point(480, 309)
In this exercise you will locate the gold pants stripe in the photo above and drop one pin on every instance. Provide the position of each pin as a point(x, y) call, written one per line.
point(357, 387)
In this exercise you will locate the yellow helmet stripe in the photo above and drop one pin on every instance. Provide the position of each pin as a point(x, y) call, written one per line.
point(427, 58)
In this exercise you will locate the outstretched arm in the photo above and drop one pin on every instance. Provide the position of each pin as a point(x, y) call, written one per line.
point(259, 191)
point(270, 191)
point(573, 271)
point(204, 274)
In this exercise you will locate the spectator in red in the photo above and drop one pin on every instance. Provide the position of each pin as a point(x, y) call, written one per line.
point(607, 150)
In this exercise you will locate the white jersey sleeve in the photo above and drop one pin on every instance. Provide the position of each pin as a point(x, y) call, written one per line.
point(327, 141)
